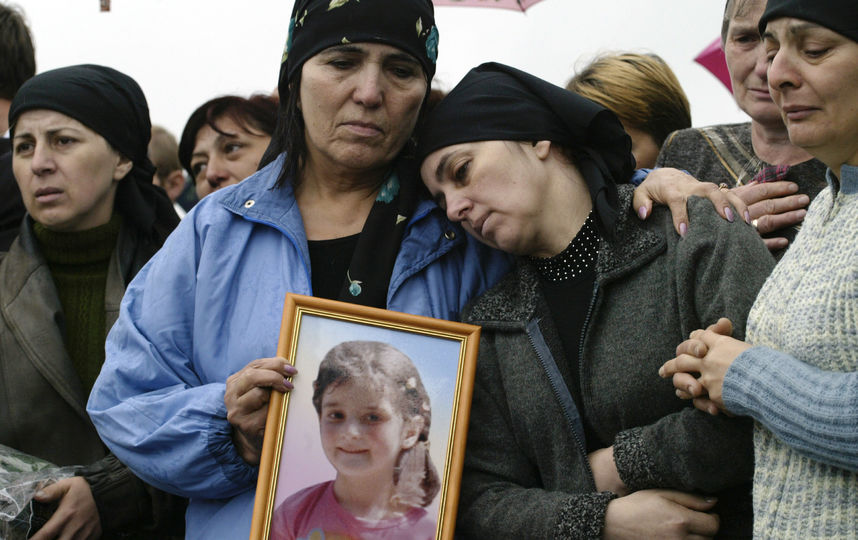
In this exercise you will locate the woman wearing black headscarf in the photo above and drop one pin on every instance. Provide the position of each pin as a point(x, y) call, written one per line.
point(572, 430)
point(334, 212)
point(79, 139)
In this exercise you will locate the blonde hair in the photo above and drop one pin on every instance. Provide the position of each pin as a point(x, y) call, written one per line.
point(640, 89)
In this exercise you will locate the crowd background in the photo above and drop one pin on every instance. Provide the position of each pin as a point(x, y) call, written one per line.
point(184, 53)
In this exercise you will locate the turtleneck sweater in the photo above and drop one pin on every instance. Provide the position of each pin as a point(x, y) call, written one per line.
point(78, 262)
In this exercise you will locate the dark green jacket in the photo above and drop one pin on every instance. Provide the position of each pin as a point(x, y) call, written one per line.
point(526, 471)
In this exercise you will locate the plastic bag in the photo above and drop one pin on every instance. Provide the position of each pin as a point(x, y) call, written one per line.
point(21, 476)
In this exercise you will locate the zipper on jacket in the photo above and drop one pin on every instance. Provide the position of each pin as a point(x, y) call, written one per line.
point(556, 382)
point(584, 330)
point(581, 356)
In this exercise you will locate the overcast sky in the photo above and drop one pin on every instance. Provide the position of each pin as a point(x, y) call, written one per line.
point(184, 52)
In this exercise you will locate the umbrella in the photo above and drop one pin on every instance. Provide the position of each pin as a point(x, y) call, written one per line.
point(712, 58)
point(517, 5)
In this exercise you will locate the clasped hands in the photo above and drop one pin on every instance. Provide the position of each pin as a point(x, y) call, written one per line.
point(701, 363)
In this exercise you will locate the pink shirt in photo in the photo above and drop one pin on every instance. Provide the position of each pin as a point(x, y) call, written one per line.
point(314, 514)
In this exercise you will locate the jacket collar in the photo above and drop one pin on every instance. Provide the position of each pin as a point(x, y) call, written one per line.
point(515, 298)
point(32, 311)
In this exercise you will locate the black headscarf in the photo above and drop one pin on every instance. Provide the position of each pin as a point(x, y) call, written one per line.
point(840, 16)
point(113, 105)
point(498, 102)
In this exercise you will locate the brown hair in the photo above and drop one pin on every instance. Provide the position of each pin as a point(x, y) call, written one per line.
point(382, 367)
point(17, 55)
point(256, 114)
point(164, 152)
point(640, 89)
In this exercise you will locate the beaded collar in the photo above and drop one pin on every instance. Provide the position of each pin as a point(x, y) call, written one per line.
point(579, 256)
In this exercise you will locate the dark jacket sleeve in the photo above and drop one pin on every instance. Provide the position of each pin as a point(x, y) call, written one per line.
point(125, 503)
point(502, 494)
point(719, 267)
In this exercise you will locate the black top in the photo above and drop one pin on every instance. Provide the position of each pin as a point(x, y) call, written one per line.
point(329, 262)
point(11, 206)
point(567, 281)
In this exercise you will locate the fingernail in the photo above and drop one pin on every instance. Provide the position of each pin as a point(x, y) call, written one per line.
point(747, 217)
point(683, 228)
point(40, 494)
point(661, 371)
point(288, 384)
point(729, 213)
point(803, 199)
point(642, 212)
point(711, 499)
point(688, 389)
point(678, 393)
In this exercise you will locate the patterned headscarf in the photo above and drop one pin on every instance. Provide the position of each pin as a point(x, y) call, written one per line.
point(498, 102)
point(315, 25)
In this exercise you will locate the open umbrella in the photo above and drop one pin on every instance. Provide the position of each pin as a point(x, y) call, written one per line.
point(712, 58)
point(517, 5)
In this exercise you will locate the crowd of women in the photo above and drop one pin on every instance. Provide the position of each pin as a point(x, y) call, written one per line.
point(644, 370)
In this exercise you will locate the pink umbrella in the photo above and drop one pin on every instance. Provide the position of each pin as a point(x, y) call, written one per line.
point(517, 5)
point(712, 58)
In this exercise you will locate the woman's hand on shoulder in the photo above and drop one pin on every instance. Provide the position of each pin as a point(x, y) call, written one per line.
point(247, 394)
point(76, 515)
point(673, 187)
point(660, 513)
point(773, 206)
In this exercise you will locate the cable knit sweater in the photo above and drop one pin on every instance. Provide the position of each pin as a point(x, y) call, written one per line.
point(807, 312)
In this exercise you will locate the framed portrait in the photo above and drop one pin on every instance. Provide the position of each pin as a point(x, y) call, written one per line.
point(370, 442)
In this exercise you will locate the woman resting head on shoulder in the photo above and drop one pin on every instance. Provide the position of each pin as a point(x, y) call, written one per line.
point(796, 372)
point(94, 218)
point(572, 339)
point(225, 138)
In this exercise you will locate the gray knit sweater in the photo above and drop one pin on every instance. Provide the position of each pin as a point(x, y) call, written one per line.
point(724, 153)
point(808, 312)
point(526, 471)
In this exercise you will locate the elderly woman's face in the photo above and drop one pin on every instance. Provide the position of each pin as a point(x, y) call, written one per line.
point(746, 61)
point(67, 173)
point(360, 103)
point(813, 75)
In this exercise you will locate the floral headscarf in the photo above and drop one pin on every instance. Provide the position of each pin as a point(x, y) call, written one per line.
point(315, 25)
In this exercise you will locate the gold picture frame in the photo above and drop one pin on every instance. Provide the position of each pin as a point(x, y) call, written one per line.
point(295, 488)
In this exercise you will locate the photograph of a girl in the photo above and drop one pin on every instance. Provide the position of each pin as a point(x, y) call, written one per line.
point(374, 418)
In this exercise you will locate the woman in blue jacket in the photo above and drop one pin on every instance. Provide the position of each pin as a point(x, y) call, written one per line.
point(182, 397)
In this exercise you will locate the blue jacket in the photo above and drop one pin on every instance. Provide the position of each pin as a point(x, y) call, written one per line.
point(210, 302)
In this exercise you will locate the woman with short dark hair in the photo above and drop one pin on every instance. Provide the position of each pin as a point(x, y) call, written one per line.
point(225, 138)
